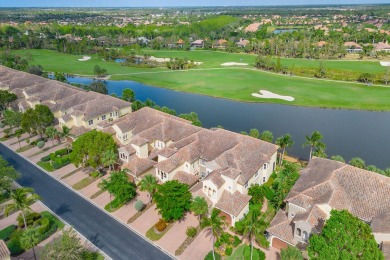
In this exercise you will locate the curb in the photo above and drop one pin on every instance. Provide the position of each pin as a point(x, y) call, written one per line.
point(93, 203)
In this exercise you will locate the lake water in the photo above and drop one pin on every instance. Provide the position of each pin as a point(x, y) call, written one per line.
point(348, 133)
point(279, 31)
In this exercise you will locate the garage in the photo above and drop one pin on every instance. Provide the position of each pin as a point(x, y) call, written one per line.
point(279, 244)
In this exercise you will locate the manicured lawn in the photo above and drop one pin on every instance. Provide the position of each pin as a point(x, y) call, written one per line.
point(152, 235)
point(237, 83)
point(96, 194)
point(110, 208)
point(237, 254)
point(46, 165)
point(84, 183)
point(24, 148)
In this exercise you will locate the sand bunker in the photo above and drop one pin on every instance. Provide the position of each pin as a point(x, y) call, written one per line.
point(268, 94)
point(234, 64)
point(197, 62)
point(159, 59)
point(85, 58)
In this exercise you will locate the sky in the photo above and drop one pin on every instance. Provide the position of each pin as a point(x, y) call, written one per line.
point(167, 3)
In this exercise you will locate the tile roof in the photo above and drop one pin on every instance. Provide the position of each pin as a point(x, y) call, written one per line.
point(215, 178)
point(365, 194)
point(138, 166)
point(232, 203)
point(381, 223)
point(186, 178)
point(385, 247)
point(282, 227)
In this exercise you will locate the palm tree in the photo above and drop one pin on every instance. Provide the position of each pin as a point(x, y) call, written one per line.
point(284, 142)
point(253, 227)
point(215, 224)
point(109, 158)
point(19, 133)
point(22, 198)
point(314, 141)
point(149, 184)
point(64, 134)
point(51, 132)
point(29, 239)
point(199, 206)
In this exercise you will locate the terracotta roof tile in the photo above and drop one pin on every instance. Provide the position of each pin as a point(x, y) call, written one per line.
point(232, 203)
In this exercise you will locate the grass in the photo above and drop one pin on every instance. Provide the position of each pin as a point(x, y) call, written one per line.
point(237, 254)
point(46, 165)
point(6, 232)
point(53, 219)
point(96, 194)
point(84, 183)
point(69, 174)
point(24, 148)
point(238, 83)
point(111, 209)
point(152, 235)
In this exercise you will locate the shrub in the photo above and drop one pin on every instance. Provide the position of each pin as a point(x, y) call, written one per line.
point(14, 247)
point(239, 226)
point(41, 144)
point(44, 226)
point(94, 174)
point(5, 233)
point(191, 231)
point(27, 140)
point(45, 158)
point(139, 205)
point(61, 152)
point(228, 251)
point(52, 156)
point(269, 193)
point(257, 254)
point(217, 243)
point(161, 225)
point(52, 229)
point(209, 256)
point(30, 219)
point(236, 241)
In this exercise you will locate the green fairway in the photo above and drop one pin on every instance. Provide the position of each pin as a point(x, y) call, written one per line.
point(237, 83)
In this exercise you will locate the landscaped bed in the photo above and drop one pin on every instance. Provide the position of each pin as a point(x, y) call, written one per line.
point(86, 181)
point(154, 232)
point(56, 160)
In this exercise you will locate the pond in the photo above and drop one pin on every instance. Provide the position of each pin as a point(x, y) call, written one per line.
point(348, 133)
point(279, 31)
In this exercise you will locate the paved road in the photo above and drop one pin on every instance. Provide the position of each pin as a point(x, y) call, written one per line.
point(105, 232)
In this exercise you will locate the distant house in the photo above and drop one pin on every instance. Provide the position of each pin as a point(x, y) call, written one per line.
point(321, 44)
point(180, 43)
point(220, 44)
point(242, 43)
point(143, 40)
point(325, 185)
point(352, 47)
point(197, 44)
point(252, 27)
point(381, 46)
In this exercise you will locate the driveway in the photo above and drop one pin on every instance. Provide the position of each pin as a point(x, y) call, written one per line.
point(105, 232)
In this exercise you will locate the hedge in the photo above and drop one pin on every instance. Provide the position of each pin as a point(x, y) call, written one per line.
point(44, 226)
point(30, 219)
point(5, 233)
point(14, 247)
point(41, 144)
point(45, 158)
point(61, 152)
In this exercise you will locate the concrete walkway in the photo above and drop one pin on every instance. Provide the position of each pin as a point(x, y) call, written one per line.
point(37, 158)
point(128, 210)
point(64, 171)
point(199, 248)
point(172, 240)
point(75, 178)
point(146, 221)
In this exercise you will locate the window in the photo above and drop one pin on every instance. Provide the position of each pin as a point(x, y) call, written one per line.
point(263, 179)
point(246, 185)
point(103, 117)
point(165, 175)
point(110, 114)
point(125, 137)
point(257, 174)
point(116, 113)
point(90, 122)
point(265, 166)
point(299, 232)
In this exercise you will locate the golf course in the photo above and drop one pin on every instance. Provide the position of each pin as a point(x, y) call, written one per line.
point(235, 82)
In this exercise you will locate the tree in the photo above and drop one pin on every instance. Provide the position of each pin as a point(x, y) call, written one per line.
point(59, 77)
point(51, 132)
point(30, 239)
point(149, 184)
point(291, 253)
point(267, 136)
point(119, 185)
point(215, 224)
point(338, 158)
point(173, 199)
point(254, 133)
point(193, 117)
point(128, 95)
point(19, 133)
point(314, 141)
point(29, 121)
point(357, 162)
point(37, 120)
point(284, 142)
point(109, 158)
point(338, 242)
point(36, 70)
point(366, 78)
point(253, 227)
point(90, 147)
point(67, 247)
point(21, 198)
point(6, 98)
point(199, 206)
point(13, 118)
point(257, 192)
point(283, 183)
point(7, 175)
point(100, 72)
point(65, 132)
point(98, 86)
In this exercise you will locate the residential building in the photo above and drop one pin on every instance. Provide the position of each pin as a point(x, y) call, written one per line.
point(352, 47)
point(382, 46)
point(197, 44)
point(76, 108)
point(5, 254)
point(218, 164)
point(242, 43)
point(325, 185)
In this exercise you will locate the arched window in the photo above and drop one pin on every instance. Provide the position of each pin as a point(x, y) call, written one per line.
point(299, 232)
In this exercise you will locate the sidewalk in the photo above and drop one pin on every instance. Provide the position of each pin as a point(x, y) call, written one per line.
point(199, 248)
point(37, 158)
